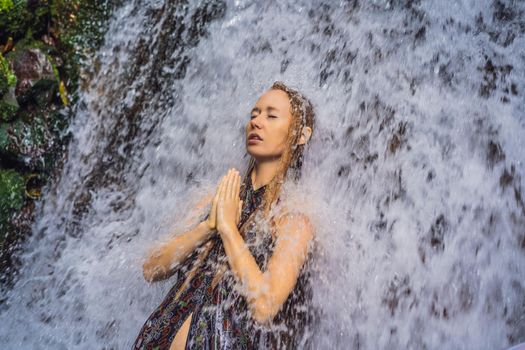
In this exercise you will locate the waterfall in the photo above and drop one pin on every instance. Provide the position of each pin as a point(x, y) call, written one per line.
point(413, 178)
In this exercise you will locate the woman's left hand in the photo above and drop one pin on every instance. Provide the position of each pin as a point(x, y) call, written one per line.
point(229, 206)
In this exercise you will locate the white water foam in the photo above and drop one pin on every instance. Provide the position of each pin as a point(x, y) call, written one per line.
point(413, 178)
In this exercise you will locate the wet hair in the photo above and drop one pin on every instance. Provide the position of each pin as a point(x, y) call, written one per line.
point(297, 314)
point(292, 159)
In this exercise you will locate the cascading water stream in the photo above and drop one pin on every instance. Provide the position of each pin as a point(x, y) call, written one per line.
point(413, 178)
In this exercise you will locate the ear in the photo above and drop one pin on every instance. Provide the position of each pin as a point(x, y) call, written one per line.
point(306, 132)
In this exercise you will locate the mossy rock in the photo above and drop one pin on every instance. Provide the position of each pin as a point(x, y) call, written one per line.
point(8, 105)
point(7, 76)
point(14, 17)
point(20, 18)
point(79, 35)
point(58, 123)
point(37, 77)
point(43, 93)
point(12, 197)
point(12, 188)
point(4, 136)
point(29, 42)
point(27, 145)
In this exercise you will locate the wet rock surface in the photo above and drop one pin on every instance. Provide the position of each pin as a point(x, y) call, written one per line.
point(40, 54)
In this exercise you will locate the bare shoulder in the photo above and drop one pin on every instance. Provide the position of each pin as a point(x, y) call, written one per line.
point(293, 223)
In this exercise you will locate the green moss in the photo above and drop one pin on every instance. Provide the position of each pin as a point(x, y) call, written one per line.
point(4, 137)
point(8, 109)
point(43, 91)
point(7, 77)
point(8, 105)
point(29, 143)
point(22, 18)
point(81, 26)
point(15, 21)
point(6, 5)
point(55, 70)
point(31, 135)
point(27, 43)
point(12, 187)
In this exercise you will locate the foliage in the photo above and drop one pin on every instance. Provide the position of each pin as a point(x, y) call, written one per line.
point(80, 26)
point(12, 187)
point(7, 77)
point(33, 122)
point(20, 18)
point(6, 5)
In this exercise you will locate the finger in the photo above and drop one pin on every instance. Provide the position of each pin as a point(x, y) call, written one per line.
point(218, 189)
point(216, 197)
point(221, 184)
point(229, 185)
point(222, 187)
point(239, 212)
point(225, 184)
point(237, 186)
point(233, 184)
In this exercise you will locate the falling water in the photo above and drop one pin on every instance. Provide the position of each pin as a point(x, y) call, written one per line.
point(413, 178)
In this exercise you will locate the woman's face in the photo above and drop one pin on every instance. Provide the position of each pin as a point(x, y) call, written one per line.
point(270, 120)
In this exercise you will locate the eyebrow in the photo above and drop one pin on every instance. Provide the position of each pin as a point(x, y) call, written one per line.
point(270, 108)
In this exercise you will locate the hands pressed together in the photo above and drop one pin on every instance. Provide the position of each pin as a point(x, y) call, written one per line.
point(226, 207)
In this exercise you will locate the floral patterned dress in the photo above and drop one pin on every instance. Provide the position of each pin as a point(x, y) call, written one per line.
point(221, 318)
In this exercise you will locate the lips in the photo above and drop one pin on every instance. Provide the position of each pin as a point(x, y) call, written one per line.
point(254, 136)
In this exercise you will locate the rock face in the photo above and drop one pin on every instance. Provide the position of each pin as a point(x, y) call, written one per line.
point(8, 105)
point(35, 73)
point(41, 46)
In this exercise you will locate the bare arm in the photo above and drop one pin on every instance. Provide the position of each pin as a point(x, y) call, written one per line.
point(266, 291)
point(160, 262)
point(162, 259)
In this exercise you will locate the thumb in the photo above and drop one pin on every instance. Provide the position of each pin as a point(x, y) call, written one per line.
point(239, 211)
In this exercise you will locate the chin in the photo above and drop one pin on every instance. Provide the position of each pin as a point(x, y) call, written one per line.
point(260, 155)
point(250, 150)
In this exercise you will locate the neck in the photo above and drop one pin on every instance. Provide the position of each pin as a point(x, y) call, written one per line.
point(263, 172)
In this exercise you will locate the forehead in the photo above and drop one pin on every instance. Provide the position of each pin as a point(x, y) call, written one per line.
point(274, 98)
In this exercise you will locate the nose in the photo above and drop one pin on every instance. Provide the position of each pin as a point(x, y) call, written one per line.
point(255, 122)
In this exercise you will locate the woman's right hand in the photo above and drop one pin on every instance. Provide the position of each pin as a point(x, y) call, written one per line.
point(211, 221)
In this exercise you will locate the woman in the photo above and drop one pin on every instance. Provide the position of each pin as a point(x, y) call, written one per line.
point(241, 283)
